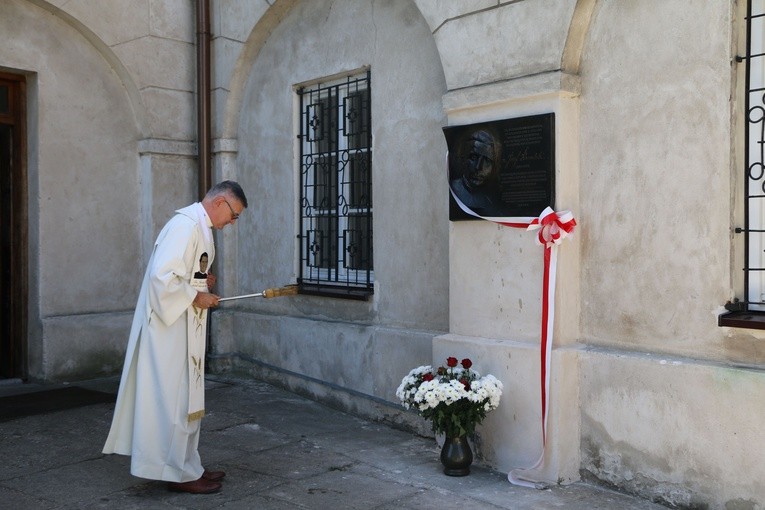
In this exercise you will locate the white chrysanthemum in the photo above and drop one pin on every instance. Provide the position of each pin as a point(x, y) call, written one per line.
point(420, 370)
point(484, 393)
point(408, 386)
point(493, 388)
point(426, 395)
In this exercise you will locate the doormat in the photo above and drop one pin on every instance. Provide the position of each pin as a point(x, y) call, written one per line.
point(49, 401)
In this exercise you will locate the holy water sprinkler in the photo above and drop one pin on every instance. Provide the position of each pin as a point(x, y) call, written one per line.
point(287, 290)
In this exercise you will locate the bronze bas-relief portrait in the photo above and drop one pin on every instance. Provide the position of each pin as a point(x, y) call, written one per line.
point(477, 184)
point(502, 168)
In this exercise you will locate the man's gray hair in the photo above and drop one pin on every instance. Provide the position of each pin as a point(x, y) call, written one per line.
point(228, 187)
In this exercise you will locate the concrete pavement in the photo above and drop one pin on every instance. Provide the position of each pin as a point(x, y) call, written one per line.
point(279, 450)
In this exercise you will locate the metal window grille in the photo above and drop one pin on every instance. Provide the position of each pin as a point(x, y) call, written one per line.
point(336, 187)
point(754, 150)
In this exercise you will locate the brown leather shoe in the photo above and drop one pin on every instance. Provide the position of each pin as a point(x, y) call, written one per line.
point(200, 486)
point(214, 476)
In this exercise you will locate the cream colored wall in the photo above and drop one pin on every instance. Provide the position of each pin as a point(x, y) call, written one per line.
point(111, 128)
point(82, 169)
point(648, 393)
point(79, 157)
point(673, 430)
point(151, 46)
point(639, 164)
point(495, 271)
point(656, 148)
point(510, 42)
point(379, 338)
point(668, 399)
point(659, 395)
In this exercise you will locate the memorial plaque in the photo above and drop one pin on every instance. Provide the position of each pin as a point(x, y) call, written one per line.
point(502, 168)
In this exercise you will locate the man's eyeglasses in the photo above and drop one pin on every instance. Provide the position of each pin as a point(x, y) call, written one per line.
point(234, 215)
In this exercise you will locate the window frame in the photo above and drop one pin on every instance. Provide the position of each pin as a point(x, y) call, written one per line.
point(335, 186)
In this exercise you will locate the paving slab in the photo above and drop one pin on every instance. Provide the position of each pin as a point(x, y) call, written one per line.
point(279, 450)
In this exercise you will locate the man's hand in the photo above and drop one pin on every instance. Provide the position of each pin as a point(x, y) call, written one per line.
point(205, 300)
point(211, 280)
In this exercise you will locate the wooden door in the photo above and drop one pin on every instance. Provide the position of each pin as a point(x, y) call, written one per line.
point(13, 227)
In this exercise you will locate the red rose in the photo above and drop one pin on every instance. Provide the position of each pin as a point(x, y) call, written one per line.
point(451, 362)
point(441, 371)
point(466, 363)
point(465, 383)
point(427, 377)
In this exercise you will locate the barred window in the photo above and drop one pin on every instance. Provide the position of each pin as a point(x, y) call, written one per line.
point(746, 311)
point(336, 188)
point(755, 168)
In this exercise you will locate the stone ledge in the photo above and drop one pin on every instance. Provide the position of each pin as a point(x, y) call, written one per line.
point(167, 147)
point(516, 89)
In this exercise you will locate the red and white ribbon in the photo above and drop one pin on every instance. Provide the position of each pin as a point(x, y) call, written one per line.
point(552, 228)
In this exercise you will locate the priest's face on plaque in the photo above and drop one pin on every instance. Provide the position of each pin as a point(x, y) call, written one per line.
point(480, 162)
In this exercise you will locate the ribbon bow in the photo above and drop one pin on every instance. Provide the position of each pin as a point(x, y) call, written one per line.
point(553, 227)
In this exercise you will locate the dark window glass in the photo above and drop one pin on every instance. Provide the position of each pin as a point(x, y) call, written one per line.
point(4, 101)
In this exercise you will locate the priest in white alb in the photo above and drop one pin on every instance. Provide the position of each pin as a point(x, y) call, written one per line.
point(161, 397)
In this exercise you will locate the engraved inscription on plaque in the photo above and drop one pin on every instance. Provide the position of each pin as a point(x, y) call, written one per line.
point(502, 168)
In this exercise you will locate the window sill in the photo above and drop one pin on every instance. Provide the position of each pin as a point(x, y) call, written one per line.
point(751, 320)
point(358, 294)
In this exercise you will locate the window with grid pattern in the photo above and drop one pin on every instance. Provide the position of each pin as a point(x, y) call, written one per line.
point(336, 187)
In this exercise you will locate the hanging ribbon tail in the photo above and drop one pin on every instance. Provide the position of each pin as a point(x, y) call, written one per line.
point(526, 477)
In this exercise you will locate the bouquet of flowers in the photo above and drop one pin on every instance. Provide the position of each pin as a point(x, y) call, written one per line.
point(455, 399)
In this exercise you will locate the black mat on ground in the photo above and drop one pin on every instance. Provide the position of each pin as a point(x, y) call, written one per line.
point(48, 401)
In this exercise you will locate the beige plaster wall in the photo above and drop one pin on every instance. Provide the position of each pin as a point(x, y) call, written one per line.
point(496, 271)
point(381, 337)
point(510, 43)
point(656, 145)
point(155, 41)
point(673, 430)
point(410, 226)
point(232, 24)
point(668, 398)
point(84, 162)
point(82, 171)
point(110, 122)
point(643, 128)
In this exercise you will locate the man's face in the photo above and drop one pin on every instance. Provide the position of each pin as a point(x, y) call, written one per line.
point(203, 264)
point(226, 211)
point(479, 166)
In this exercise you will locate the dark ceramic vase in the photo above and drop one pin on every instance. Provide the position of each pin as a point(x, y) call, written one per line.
point(456, 456)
